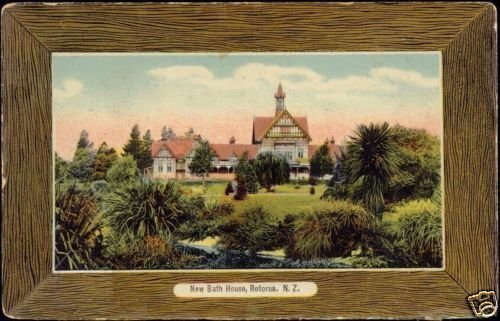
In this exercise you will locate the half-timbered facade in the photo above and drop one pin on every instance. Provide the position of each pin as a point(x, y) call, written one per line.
point(281, 134)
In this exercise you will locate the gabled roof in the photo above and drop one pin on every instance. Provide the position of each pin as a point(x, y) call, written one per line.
point(225, 151)
point(261, 125)
point(334, 150)
point(179, 147)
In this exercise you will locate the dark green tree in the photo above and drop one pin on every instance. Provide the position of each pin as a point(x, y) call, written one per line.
point(134, 145)
point(105, 158)
point(372, 161)
point(271, 170)
point(419, 164)
point(146, 160)
point(245, 172)
point(202, 160)
point(83, 164)
point(83, 141)
point(321, 162)
point(241, 188)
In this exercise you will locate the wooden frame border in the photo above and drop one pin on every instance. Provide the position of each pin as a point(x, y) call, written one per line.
point(463, 32)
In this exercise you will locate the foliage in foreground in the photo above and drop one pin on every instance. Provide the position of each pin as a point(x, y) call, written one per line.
point(125, 252)
point(205, 218)
point(420, 228)
point(335, 229)
point(253, 230)
point(145, 208)
point(78, 230)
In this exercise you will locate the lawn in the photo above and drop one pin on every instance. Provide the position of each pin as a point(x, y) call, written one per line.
point(287, 199)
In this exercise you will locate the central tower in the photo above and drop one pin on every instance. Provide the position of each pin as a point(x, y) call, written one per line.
point(280, 99)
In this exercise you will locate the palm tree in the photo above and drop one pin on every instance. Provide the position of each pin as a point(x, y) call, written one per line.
point(372, 162)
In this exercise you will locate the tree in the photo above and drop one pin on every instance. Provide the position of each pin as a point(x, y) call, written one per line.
point(134, 144)
point(241, 188)
point(202, 160)
point(321, 162)
point(271, 170)
point(103, 161)
point(190, 132)
point(164, 133)
point(83, 164)
point(419, 164)
point(167, 133)
point(124, 170)
point(145, 159)
point(372, 161)
point(83, 141)
point(245, 172)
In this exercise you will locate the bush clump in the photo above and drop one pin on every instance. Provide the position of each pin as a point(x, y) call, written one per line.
point(252, 231)
point(333, 230)
point(419, 228)
point(145, 208)
point(126, 252)
point(205, 219)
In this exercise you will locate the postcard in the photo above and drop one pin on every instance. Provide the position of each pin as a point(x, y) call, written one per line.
point(247, 161)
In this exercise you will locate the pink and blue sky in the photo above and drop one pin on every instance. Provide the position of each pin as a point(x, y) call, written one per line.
point(218, 94)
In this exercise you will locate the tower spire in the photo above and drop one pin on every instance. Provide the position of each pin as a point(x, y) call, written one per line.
point(280, 99)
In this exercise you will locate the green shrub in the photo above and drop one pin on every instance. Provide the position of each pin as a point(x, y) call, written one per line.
point(123, 171)
point(145, 208)
point(205, 221)
point(253, 230)
point(420, 229)
point(126, 252)
point(78, 234)
point(333, 230)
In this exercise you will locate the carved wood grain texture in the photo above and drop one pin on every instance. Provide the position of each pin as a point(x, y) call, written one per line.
point(462, 31)
point(26, 162)
point(360, 294)
point(470, 127)
point(247, 27)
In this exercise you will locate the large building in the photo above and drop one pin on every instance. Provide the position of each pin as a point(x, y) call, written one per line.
point(282, 134)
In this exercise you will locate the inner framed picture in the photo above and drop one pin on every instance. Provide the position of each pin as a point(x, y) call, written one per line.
point(247, 161)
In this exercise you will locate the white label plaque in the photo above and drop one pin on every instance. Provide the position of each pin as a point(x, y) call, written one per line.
point(245, 289)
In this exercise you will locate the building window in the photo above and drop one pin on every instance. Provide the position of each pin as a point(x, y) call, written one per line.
point(160, 168)
point(169, 167)
point(300, 153)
